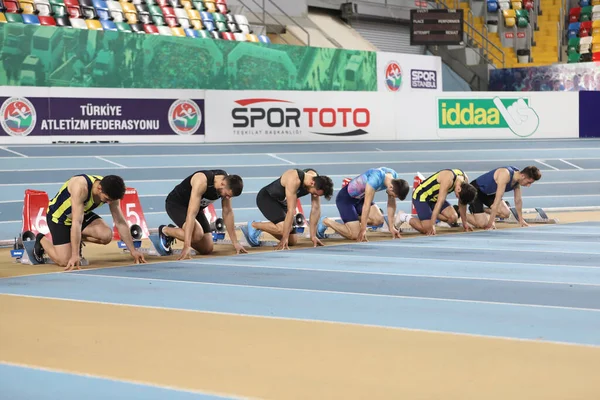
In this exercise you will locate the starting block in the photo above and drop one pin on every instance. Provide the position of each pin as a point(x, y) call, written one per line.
point(35, 204)
point(156, 248)
point(541, 218)
point(134, 215)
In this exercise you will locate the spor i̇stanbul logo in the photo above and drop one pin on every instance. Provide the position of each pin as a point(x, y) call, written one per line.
point(393, 76)
point(185, 117)
point(17, 116)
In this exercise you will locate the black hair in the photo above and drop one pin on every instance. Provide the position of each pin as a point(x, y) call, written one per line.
point(235, 183)
point(325, 184)
point(532, 172)
point(113, 186)
point(467, 193)
point(401, 188)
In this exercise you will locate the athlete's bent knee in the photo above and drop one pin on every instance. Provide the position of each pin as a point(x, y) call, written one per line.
point(504, 214)
point(106, 237)
point(377, 220)
point(205, 246)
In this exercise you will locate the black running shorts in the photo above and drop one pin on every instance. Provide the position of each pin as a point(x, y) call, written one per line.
point(178, 215)
point(273, 209)
point(61, 234)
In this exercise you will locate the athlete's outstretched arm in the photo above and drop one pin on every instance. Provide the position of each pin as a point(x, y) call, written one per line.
point(199, 185)
point(364, 217)
point(78, 190)
point(445, 180)
point(315, 215)
point(229, 220)
point(291, 182)
point(502, 177)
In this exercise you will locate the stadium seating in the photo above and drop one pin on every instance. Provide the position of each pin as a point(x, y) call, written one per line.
point(184, 18)
point(583, 32)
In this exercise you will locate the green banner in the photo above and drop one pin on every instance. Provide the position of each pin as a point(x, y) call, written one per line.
point(53, 56)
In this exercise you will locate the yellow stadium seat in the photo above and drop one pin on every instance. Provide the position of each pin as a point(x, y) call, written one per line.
point(27, 7)
point(178, 32)
point(93, 24)
point(211, 7)
point(187, 4)
point(596, 44)
point(516, 5)
point(252, 38)
point(2, 18)
point(596, 24)
point(596, 2)
point(510, 18)
point(195, 19)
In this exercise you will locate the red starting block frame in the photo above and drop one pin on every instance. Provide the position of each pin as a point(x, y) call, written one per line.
point(134, 215)
point(35, 207)
point(419, 178)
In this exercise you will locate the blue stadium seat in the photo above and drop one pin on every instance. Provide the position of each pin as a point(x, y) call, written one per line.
point(192, 33)
point(108, 25)
point(573, 30)
point(264, 39)
point(208, 21)
point(30, 19)
point(492, 6)
point(584, 3)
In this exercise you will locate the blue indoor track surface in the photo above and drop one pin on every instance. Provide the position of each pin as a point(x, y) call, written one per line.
point(569, 168)
point(24, 383)
point(539, 284)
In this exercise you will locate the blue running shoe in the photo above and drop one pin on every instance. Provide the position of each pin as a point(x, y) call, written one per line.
point(252, 235)
point(321, 228)
point(165, 241)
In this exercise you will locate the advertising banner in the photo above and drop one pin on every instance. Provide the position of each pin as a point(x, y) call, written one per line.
point(486, 115)
point(275, 116)
point(406, 73)
point(75, 113)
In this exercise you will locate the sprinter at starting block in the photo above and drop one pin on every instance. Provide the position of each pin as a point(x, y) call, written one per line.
point(357, 207)
point(491, 186)
point(277, 202)
point(185, 206)
point(429, 200)
point(71, 220)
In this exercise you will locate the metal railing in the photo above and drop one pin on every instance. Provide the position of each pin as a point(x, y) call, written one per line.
point(263, 20)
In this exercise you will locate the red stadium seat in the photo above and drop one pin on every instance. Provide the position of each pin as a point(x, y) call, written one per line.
point(596, 56)
point(574, 14)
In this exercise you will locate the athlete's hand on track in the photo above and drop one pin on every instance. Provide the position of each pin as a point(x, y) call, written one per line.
point(431, 232)
point(395, 233)
point(316, 241)
point(185, 253)
point(239, 248)
point(138, 257)
point(73, 263)
point(362, 236)
point(283, 245)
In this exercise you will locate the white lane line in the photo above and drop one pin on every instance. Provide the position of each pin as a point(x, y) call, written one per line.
point(547, 165)
point(111, 162)
point(571, 164)
point(14, 152)
point(281, 159)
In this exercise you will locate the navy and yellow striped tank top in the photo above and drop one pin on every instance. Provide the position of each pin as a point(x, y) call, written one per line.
point(429, 189)
point(59, 208)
